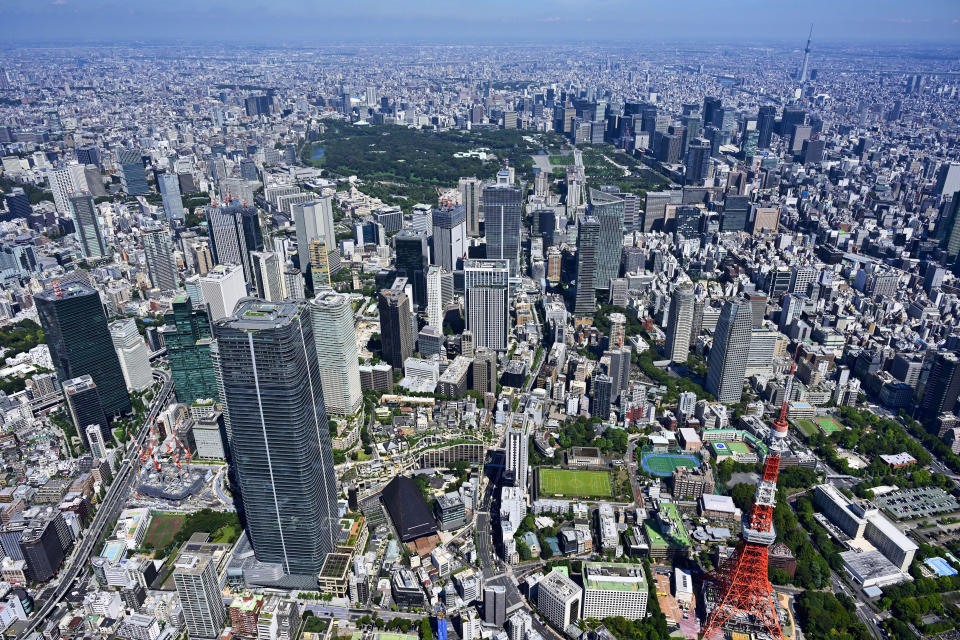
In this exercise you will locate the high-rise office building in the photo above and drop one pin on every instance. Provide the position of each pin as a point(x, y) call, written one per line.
point(449, 237)
point(470, 189)
point(602, 393)
point(222, 289)
point(484, 369)
point(132, 172)
point(96, 442)
point(187, 337)
point(730, 351)
point(160, 262)
point(64, 182)
point(75, 327)
point(502, 214)
point(336, 339)
point(320, 272)
point(494, 605)
point(948, 178)
point(736, 211)
point(607, 208)
point(279, 438)
point(169, 184)
point(949, 227)
point(234, 232)
point(439, 294)
point(517, 464)
point(396, 327)
point(133, 354)
point(314, 221)
point(86, 408)
point(588, 241)
point(486, 298)
point(619, 370)
point(766, 123)
point(943, 386)
point(87, 222)
point(195, 577)
point(412, 252)
point(268, 275)
point(697, 162)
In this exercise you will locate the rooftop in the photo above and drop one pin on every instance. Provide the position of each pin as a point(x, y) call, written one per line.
point(610, 576)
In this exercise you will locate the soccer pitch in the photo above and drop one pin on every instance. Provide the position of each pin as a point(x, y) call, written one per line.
point(575, 484)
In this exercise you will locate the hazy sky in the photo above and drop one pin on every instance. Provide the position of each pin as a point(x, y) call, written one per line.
point(319, 21)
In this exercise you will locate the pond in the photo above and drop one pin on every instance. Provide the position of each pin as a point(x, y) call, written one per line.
point(317, 153)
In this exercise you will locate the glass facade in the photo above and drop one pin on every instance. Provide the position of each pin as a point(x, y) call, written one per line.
point(188, 340)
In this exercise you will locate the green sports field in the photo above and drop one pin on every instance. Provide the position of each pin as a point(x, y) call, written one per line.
point(806, 426)
point(828, 425)
point(163, 528)
point(570, 483)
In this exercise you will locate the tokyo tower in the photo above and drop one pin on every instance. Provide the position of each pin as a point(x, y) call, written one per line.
point(744, 592)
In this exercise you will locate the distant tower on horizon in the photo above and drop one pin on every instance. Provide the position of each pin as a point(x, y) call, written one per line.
point(804, 66)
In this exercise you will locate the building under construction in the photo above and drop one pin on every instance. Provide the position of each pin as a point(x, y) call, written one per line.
point(170, 483)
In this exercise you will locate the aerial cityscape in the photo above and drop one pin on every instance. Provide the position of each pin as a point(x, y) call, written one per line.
point(476, 325)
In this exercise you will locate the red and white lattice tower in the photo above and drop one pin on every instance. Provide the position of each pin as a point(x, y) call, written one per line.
point(743, 590)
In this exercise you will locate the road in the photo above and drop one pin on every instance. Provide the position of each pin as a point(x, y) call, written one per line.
point(343, 613)
point(107, 512)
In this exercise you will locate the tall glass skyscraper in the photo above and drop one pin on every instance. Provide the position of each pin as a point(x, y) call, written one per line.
point(169, 184)
point(76, 331)
point(412, 252)
point(336, 340)
point(279, 439)
point(161, 265)
point(503, 210)
point(234, 232)
point(731, 348)
point(486, 295)
point(588, 240)
point(607, 208)
point(89, 232)
point(133, 175)
point(187, 339)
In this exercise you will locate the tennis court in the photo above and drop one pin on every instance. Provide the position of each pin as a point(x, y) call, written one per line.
point(828, 425)
point(663, 464)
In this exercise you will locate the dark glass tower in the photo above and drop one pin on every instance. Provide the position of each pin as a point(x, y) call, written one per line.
point(76, 331)
point(588, 240)
point(396, 328)
point(132, 171)
point(766, 122)
point(943, 387)
point(83, 402)
point(731, 348)
point(279, 439)
point(234, 232)
point(188, 340)
point(412, 252)
point(608, 209)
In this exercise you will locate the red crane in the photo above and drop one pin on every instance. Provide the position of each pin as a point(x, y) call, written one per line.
point(743, 589)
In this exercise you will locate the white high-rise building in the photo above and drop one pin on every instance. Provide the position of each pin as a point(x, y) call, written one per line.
point(517, 463)
point(268, 275)
point(559, 599)
point(133, 353)
point(222, 289)
point(196, 580)
point(614, 589)
point(160, 263)
point(314, 221)
point(65, 181)
point(336, 339)
point(95, 439)
point(169, 184)
point(486, 293)
point(439, 294)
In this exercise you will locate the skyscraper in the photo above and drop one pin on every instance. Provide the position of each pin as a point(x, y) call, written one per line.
point(314, 221)
point(412, 251)
point(730, 351)
point(96, 442)
point(336, 339)
point(470, 199)
point(279, 438)
point(943, 386)
point(64, 182)
point(169, 184)
point(222, 288)
point(134, 177)
point(187, 337)
point(736, 211)
point(267, 275)
point(486, 298)
point(439, 294)
point(396, 327)
point(607, 208)
point(602, 396)
point(449, 237)
point(697, 162)
point(86, 408)
point(502, 214)
point(949, 226)
point(160, 263)
point(588, 240)
point(195, 577)
point(75, 328)
point(517, 458)
point(234, 232)
point(766, 122)
point(320, 274)
point(679, 324)
point(484, 369)
point(87, 222)
point(133, 354)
